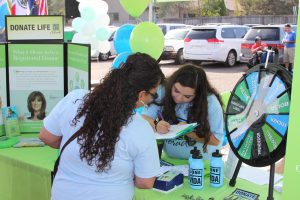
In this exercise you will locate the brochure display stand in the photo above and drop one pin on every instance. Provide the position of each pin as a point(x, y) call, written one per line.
point(42, 69)
point(257, 118)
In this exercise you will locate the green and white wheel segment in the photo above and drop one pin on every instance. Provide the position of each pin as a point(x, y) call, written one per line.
point(257, 115)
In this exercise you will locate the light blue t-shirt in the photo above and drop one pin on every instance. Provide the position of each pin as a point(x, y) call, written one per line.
point(135, 154)
point(291, 36)
point(178, 148)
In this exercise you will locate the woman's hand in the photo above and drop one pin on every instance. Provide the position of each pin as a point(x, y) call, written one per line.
point(162, 127)
point(181, 123)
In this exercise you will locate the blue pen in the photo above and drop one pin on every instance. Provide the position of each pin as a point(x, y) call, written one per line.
point(160, 116)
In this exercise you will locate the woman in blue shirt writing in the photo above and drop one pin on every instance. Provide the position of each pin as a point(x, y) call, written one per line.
point(188, 97)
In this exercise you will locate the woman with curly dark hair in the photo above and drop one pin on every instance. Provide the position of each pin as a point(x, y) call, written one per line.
point(188, 97)
point(116, 148)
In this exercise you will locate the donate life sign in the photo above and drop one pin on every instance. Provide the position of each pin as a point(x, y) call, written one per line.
point(23, 28)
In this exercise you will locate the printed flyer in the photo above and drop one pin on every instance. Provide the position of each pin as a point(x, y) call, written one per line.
point(36, 81)
point(78, 67)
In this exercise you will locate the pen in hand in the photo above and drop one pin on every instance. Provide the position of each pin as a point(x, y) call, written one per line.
point(162, 126)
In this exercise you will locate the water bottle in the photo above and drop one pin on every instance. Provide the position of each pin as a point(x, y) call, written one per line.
point(196, 169)
point(190, 159)
point(191, 154)
point(216, 170)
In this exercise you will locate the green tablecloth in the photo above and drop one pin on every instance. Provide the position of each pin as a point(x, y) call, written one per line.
point(207, 191)
point(25, 175)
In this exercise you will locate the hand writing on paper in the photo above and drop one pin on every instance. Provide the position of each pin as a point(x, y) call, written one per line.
point(162, 127)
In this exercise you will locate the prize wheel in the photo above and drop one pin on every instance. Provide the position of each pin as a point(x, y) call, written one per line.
point(257, 115)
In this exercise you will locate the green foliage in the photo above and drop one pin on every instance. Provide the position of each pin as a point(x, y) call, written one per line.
point(56, 7)
point(268, 7)
point(179, 7)
point(212, 8)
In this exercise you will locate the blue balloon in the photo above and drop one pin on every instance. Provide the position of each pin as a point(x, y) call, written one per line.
point(120, 59)
point(122, 38)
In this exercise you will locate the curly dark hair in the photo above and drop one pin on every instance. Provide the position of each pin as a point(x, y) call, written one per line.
point(111, 105)
point(193, 77)
point(31, 97)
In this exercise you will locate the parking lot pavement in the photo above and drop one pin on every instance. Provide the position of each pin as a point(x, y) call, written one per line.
point(221, 77)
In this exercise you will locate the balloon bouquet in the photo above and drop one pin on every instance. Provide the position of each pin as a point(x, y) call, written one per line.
point(92, 25)
point(146, 37)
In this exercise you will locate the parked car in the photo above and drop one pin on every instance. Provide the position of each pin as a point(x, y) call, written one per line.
point(272, 35)
point(221, 43)
point(252, 25)
point(170, 26)
point(100, 56)
point(174, 42)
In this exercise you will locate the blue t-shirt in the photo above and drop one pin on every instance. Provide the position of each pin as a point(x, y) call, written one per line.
point(291, 36)
point(178, 148)
point(76, 180)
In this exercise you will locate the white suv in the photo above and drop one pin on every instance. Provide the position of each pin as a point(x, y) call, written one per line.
point(221, 43)
point(174, 42)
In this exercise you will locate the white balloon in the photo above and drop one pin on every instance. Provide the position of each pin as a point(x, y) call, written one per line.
point(80, 38)
point(100, 6)
point(104, 46)
point(88, 29)
point(94, 43)
point(102, 20)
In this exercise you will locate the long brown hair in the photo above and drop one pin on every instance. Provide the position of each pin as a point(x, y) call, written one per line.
point(193, 77)
point(111, 105)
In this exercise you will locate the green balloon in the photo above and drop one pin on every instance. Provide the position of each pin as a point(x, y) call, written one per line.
point(147, 38)
point(135, 7)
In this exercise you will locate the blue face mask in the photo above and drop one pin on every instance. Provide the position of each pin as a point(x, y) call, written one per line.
point(139, 110)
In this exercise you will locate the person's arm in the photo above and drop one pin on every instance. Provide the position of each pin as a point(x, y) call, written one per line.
point(144, 183)
point(254, 50)
point(150, 121)
point(50, 139)
point(161, 127)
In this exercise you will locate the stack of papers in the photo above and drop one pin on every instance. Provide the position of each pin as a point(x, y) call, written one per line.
point(176, 131)
point(256, 175)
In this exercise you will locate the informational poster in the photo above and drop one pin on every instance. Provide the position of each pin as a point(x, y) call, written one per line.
point(36, 81)
point(292, 158)
point(78, 67)
point(3, 92)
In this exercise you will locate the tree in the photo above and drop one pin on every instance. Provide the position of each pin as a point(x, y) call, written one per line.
point(212, 8)
point(56, 7)
point(268, 7)
point(173, 7)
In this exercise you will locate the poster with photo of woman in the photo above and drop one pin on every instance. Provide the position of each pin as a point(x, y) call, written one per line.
point(36, 81)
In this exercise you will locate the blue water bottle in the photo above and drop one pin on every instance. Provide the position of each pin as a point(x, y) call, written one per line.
point(191, 154)
point(190, 159)
point(196, 169)
point(216, 170)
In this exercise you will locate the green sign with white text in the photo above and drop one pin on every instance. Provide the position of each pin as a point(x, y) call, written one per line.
point(291, 184)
